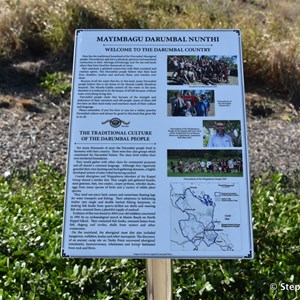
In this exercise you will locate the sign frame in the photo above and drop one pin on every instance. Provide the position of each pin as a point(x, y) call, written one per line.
point(158, 162)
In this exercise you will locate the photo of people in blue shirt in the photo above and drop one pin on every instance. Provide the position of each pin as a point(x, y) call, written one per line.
point(222, 134)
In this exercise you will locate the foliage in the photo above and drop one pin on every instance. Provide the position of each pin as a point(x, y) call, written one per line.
point(270, 29)
point(57, 83)
point(31, 267)
point(277, 253)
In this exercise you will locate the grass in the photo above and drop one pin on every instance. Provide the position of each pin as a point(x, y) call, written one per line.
point(270, 29)
point(31, 207)
point(31, 203)
point(57, 83)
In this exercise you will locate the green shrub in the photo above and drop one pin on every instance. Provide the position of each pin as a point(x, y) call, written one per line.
point(276, 228)
point(31, 267)
point(57, 83)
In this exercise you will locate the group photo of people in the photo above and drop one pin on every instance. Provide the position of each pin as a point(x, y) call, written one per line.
point(222, 134)
point(191, 103)
point(203, 163)
point(204, 69)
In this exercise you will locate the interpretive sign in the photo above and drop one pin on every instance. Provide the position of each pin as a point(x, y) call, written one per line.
point(158, 158)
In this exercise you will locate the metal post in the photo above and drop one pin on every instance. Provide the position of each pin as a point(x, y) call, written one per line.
point(159, 279)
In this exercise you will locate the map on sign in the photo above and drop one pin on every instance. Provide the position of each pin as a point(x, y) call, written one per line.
point(204, 217)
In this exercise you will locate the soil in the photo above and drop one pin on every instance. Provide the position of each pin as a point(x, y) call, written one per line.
point(34, 124)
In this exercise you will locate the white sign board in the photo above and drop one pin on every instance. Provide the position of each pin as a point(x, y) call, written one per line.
point(158, 158)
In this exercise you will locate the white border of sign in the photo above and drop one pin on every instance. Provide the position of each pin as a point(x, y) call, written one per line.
point(158, 161)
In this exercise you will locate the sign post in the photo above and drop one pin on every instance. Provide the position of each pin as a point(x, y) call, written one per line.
point(159, 279)
point(158, 162)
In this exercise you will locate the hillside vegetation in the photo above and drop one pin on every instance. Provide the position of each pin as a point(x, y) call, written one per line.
point(31, 266)
point(270, 29)
point(31, 200)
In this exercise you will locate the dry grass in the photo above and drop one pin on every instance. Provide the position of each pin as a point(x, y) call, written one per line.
point(23, 104)
point(7, 102)
point(26, 104)
point(270, 29)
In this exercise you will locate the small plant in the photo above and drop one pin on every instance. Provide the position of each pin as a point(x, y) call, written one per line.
point(31, 267)
point(57, 83)
point(275, 265)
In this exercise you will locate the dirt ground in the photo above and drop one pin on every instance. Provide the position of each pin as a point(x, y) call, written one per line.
point(34, 124)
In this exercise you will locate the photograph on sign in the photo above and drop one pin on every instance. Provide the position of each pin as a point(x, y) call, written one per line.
point(141, 182)
point(222, 133)
point(204, 69)
point(205, 163)
point(191, 103)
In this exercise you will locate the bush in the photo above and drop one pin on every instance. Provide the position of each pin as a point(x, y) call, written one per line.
point(270, 29)
point(277, 253)
point(57, 83)
point(31, 267)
